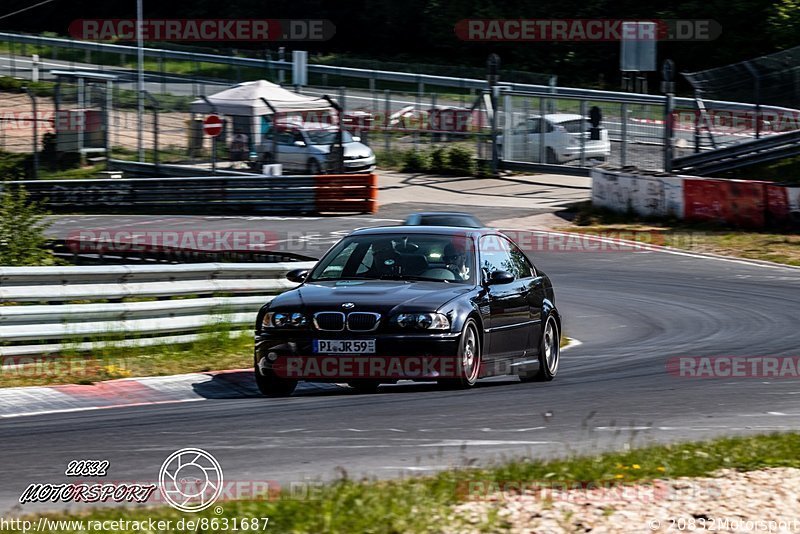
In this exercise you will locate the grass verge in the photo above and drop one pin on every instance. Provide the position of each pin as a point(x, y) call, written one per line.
point(774, 246)
point(424, 504)
point(216, 348)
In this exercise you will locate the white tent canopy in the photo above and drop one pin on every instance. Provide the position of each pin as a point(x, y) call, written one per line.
point(246, 99)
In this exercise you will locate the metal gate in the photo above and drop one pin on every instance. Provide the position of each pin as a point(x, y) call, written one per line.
point(542, 131)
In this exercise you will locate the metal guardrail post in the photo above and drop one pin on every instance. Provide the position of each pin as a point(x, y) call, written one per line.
point(35, 133)
point(583, 132)
point(156, 107)
point(668, 131)
point(418, 109)
point(757, 95)
point(494, 92)
point(624, 133)
point(542, 127)
point(387, 111)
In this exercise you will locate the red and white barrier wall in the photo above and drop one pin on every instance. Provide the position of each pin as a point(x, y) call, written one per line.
point(745, 203)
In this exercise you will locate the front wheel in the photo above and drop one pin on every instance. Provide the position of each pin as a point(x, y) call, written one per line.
point(549, 351)
point(271, 385)
point(314, 166)
point(469, 359)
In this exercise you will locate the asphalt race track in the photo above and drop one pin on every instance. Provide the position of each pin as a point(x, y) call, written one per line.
point(631, 311)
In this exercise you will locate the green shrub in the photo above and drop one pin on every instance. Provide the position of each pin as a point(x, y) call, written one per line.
point(438, 161)
point(22, 226)
point(15, 166)
point(415, 161)
point(460, 161)
point(392, 159)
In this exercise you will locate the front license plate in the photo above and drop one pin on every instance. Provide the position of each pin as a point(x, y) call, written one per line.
point(344, 346)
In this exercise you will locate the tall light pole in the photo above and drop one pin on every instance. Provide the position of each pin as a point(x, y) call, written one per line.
point(140, 57)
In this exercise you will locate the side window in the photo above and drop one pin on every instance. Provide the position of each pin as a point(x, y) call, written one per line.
point(533, 126)
point(522, 268)
point(285, 138)
point(495, 255)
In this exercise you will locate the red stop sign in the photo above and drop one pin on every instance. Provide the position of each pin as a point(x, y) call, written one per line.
point(212, 126)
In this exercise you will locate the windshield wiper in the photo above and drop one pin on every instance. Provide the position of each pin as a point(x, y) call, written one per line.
point(412, 277)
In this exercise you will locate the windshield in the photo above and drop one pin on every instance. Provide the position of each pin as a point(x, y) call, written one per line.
point(327, 137)
point(575, 126)
point(439, 258)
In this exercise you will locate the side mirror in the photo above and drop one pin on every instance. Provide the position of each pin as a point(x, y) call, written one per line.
point(500, 277)
point(356, 139)
point(300, 143)
point(297, 276)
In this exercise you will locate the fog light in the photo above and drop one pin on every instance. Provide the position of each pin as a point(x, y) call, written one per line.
point(272, 356)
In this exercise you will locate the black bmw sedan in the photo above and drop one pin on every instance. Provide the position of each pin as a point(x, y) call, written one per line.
point(410, 302)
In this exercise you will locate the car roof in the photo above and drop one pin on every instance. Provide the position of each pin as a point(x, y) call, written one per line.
point(436, 230)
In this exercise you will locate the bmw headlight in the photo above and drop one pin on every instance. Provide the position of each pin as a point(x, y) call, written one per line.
point(284, 320)
point(425, 321)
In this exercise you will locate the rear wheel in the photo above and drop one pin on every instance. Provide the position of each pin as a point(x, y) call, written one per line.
point(271, 385)
point(469, 358)
point(549, 351)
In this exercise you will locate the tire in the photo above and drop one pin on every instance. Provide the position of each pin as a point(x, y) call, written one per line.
point(267, 159)
point(469, 355)
point(272, 386)
point(549, 350)
point(550, 156)
point(365, 386)
point(314, 166)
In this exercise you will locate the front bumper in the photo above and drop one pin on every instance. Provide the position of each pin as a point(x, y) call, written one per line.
point(396, 357)
point(574, 152)
point(360, 165)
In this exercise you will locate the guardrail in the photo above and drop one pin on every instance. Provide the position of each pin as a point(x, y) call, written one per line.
point(99, 251)
point(771, 148)
point(344, 193)
point(27, 326)
point(420, 80)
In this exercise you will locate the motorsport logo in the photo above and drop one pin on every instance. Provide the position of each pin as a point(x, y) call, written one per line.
point(190, 480)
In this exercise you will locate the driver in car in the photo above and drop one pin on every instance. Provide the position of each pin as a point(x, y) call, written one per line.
point(455, 260)
point(384, 258)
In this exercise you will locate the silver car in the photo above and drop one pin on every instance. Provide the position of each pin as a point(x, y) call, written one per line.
point(306, 149)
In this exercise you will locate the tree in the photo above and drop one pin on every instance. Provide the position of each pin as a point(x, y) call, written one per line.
point(22, 226)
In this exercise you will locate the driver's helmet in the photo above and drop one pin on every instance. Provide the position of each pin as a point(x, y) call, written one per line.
point(384, 254)
point(454, 255)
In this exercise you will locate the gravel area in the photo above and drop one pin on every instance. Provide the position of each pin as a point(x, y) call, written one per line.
point(767, 500)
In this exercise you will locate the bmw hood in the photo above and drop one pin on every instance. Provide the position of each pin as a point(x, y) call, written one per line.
point(382, 296)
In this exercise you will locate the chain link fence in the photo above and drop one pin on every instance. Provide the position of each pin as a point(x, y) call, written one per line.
point(770, 82)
